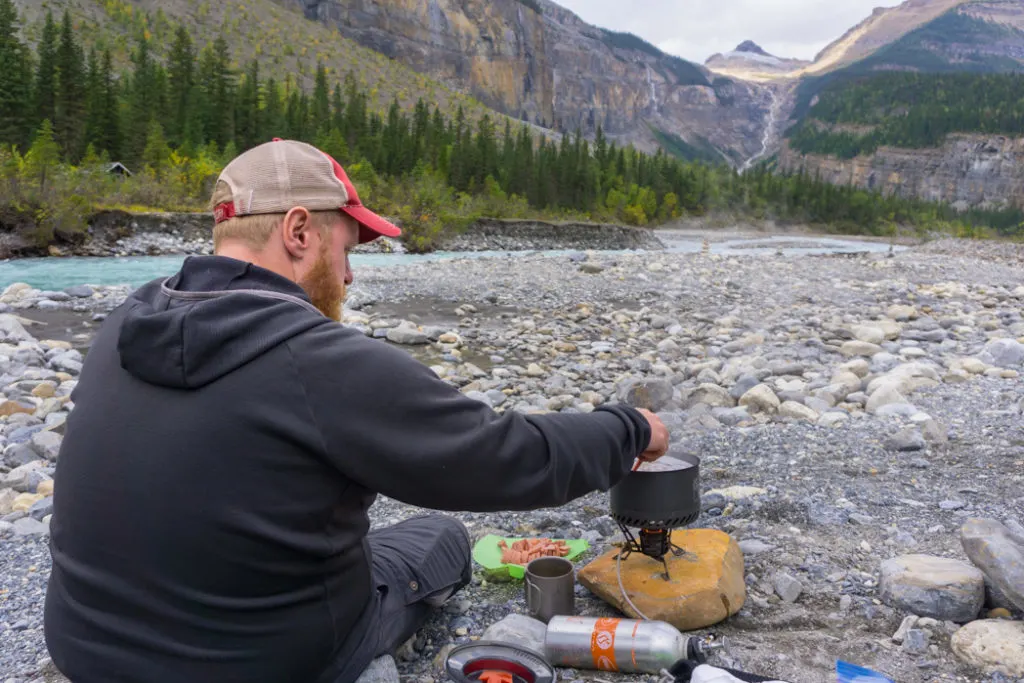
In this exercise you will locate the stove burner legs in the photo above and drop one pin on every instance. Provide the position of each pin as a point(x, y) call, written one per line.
point(654, 543)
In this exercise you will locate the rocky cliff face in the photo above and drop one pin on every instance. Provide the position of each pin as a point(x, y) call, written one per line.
point(967, 171)
point(539, 62)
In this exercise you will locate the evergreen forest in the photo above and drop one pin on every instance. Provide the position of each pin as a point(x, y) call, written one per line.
point(66, 113)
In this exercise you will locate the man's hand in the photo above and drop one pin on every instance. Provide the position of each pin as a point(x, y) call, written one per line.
point(659, 437)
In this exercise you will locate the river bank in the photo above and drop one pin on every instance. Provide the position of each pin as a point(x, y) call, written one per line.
point(853, 407)
point(119, 233)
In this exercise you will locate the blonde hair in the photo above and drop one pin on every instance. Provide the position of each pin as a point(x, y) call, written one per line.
point(254, 230)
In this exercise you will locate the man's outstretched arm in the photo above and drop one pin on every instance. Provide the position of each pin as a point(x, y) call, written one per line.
point(391, 425)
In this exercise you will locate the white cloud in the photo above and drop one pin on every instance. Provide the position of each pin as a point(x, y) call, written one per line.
point(697, 29)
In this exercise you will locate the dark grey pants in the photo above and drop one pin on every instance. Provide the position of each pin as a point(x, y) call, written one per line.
point(417, 565)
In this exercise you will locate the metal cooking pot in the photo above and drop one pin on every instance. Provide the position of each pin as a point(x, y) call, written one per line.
point(665, 499)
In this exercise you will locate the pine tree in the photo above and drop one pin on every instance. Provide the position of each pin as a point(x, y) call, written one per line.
point(321, 113)
point(46, 72)
point(181, 85)
point(143, 100)
point(71, 93)
point(248, 116)
point(15, 80)
point(338, 110)
point(104, 110)
point(216, 88)
point(273, 112)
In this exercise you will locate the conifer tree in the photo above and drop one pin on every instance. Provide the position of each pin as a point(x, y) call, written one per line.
point(15, 80)
point(71, 93)
point(321, 112)
point(46, 72)
point(181, 79)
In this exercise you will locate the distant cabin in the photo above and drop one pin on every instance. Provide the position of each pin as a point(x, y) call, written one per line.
point(119, 168)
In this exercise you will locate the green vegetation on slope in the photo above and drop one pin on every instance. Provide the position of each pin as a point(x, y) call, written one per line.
point(953, 43)
point(678, 147)
point(287, 45)
point(911, 110)
point(176, 122)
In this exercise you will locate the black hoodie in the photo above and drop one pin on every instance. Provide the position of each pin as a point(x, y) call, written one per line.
point(212, 489)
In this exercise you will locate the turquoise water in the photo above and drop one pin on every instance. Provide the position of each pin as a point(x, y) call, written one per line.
point(59, 273)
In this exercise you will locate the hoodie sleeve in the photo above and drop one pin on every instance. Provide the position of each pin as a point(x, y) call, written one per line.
point(391, 425)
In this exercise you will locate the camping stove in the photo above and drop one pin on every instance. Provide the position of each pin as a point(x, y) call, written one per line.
point(656, 499)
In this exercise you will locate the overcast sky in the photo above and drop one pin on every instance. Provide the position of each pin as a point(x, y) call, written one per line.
point(697, 29)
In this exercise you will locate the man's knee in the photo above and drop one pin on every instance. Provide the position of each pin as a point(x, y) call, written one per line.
point(445, 526)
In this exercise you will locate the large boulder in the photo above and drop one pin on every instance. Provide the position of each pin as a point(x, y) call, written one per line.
point(992, 645)
point(936, 587)
point(993, 549)
point(705, 587)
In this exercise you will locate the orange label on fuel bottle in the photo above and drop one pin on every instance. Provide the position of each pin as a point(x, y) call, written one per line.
point(602, 644)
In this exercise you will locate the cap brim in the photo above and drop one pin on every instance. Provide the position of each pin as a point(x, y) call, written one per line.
point(371, 226)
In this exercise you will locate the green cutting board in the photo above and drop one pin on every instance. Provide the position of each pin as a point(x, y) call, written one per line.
point(488, 555)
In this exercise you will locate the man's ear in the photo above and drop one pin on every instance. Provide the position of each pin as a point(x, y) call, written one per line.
point(297, 232)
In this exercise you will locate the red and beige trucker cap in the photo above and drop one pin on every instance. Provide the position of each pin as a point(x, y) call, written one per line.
point(277, 176)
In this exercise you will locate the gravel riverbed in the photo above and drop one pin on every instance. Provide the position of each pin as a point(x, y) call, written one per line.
point(868, 406)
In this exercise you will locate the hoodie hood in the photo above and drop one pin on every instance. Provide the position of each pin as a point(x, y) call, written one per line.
point(214, 316)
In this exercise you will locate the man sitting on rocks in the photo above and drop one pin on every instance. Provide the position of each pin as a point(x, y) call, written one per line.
point(229, 435)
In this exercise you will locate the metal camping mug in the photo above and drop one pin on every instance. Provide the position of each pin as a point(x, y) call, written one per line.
point(550, 588)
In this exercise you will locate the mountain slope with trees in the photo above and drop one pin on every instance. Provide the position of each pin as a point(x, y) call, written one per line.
point(67, 110)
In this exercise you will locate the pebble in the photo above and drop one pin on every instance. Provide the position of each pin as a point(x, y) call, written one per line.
point(787, 587)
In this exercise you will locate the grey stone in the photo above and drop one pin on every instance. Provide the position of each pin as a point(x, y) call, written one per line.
point(1003, 353)
point(46, 444)
point(936, 587)
point(731, 417)
point(407, 335)
point(787, 587)
point(27, 526)
point(907, 624)
point(907, 440)
point(884, 362)
point(755, 547)
point(743, 385)
point(605, 526)
point(18, 478)
point(991, 547)
point(952, 505)
point(916, 641)
point(19, 454)
point(518, 630)
point(41, 508)
point(711, 395)
point(496, 397)
point(381, 670)
point(80, 291)
point(651, 394)
point(11, 330)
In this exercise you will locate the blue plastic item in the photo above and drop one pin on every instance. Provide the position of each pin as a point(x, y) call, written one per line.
point(851, 673)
